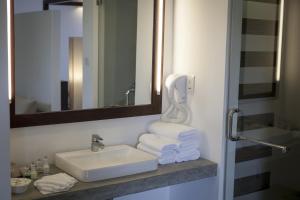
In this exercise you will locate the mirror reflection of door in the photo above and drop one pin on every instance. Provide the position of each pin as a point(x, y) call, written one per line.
point(120, 30)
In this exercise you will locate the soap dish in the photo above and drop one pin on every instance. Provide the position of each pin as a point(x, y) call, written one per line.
point(19, 185)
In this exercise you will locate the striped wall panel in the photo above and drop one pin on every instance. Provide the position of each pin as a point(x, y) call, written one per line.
point(252, 153)
point(253, 167)
point(260, 10)
point(260, 27)
point(259, 43)
point(257, 90)
point(251, 184)
point(256, 75)
point(260, 195)
point(258, 59)
point(266, 1)
point(253, 122)
point(259, 47)
point(254, 107)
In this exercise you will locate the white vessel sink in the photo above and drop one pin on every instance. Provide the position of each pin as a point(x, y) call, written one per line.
point(111, 162)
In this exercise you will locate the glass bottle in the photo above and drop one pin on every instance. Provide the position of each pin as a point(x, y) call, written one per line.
point(33, 172)
point(46, 167)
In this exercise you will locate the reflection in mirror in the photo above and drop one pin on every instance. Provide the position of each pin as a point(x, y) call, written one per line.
point(73, 55)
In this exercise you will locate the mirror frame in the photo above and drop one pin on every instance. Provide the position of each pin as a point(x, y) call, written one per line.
point(62, 117)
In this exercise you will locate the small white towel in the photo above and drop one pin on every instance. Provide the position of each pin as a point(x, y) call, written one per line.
point(166, 157)
point(55, 183)
point(158, 143)
point(172, 130)
point(187, 156)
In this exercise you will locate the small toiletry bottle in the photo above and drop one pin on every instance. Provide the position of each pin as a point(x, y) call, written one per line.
point(39, 166)
point(33, 172)
point(26, 172)
point(15, 171)
point(46, 167)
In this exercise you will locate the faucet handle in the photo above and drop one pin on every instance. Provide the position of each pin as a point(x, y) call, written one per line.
point(96, 137)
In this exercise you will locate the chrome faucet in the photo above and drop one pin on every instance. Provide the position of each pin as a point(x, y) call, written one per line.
point(96, 143)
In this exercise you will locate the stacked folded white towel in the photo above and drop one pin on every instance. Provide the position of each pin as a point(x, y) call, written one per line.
point(55, 183)
point(171, 142)
point(163, 148)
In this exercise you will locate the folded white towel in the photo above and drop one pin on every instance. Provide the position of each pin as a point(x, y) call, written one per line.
point(176, 131)
point(158, 143)
point(187, 156)
point(188, 145)
point(166, 157)
point(55, 183)
point(159, 154)
point(50, 188)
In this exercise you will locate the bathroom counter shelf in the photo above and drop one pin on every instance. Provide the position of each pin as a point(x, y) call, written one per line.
point(165, 175)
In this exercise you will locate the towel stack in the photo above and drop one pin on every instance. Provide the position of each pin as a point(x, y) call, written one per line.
point(161, 147)
point(55, 183)
point(171, 142)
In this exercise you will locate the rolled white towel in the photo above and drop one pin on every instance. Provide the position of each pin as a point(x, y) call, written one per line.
point(158, 143)
point(55, 183)
point(163, 158)
point(176, 131)
point(187, 156)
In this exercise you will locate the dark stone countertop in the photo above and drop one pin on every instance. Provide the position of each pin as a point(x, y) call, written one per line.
point(165, 175)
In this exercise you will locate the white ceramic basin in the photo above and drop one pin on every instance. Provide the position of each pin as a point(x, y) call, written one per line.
point(111, 162)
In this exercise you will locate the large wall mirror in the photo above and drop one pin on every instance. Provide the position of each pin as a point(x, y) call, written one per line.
point(85, 60)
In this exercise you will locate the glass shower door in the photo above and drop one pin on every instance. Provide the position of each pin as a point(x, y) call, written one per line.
point(265, 129)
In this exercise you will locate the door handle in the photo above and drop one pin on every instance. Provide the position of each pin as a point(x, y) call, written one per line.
point(231, 115)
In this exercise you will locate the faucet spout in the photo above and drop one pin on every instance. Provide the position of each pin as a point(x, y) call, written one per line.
point(96, 143)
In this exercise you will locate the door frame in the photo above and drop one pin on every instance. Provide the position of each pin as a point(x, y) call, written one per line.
point(234, 57)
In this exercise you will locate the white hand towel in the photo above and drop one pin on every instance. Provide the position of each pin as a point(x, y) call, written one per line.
point(173, 130)
point(55, 183)
point(187, 156)
point(159, 154)
point(158, 143)
point(60, 179)
point(50, 188)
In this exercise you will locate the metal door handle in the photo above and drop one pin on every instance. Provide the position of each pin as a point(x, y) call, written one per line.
point(232, 112)
point(284, 149)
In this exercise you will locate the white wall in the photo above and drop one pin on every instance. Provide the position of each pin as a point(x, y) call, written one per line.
point(200, 37)
point(4, 117)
